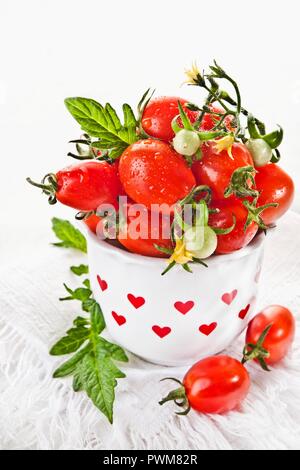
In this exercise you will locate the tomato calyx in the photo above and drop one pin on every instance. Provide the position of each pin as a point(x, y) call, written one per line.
point(254, 214)
point(48, 185)
point(178, 396)
point(242, 183)
point(257, 351)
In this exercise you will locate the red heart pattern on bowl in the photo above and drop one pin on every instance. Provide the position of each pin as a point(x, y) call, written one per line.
point(184, 307)
point(137, 302)
point(208, 329)
point(118, 318)
point(229, 297)
point(244, 312)
point(161, 331)
point(102, 283)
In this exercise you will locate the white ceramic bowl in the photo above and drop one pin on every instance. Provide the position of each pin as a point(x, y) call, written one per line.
point(180, 317)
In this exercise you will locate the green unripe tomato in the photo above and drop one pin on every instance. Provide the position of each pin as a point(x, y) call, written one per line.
point(201, 246)
point(261, 151)
point(186, 142)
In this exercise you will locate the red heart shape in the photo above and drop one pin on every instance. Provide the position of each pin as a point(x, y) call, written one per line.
point(229, 297)
point(184, 307)
point(137, 302)
point(119, 318)
point(208, 329)
point(102, 283)
point(161, 331)
point(244, 312)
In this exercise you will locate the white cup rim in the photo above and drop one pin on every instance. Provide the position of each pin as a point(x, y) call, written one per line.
point(127, 256)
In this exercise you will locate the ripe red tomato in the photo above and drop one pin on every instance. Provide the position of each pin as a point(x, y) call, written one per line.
point(215, 169)
point(153, 173)
point(280, 335)
point(210, 120)
point(92, 222)
point(159, 114)
point(140, 233)
point(238, 237)
point(215, 384)
point(84, 187)
point(274, 185)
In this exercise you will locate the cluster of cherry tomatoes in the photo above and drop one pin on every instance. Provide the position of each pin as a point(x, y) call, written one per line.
point(178, 147)
point(219, 384)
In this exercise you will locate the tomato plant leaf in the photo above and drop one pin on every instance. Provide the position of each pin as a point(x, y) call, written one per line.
point(68, 367)
point(70, 236)
point(79, 270)
point(74, 338)
point(103, 123)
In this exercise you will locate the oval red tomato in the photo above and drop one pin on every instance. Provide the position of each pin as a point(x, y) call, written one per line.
point(153, 173)
point(274, 185)
point(215, 384)
point(280, 336)
point(144, 229)
point(215, 169)
point(159, 114)
point(224, 218)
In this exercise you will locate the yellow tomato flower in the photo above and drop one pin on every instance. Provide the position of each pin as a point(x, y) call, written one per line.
point(180, 254)
point(225, 143)
point(193, 75)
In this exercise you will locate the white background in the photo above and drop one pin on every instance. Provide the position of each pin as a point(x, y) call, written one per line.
point(114, 50)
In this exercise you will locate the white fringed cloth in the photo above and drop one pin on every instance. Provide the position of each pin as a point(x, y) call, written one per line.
point(38, 412)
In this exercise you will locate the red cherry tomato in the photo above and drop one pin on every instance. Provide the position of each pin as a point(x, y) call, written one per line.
point(153, 173)
point(216, 384)
point(210, 120)
point(224, 218)
point(274, 185)
point(159, 114)
point(280, 336)
point(84, 187)
point(156, 228)
point(215, 169)
point(92, 221)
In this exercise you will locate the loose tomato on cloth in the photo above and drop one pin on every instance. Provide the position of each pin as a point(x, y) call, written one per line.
point(231, 211)
point(215, 169)
point(151, 172)
point(269, 335)
point(216, 384)
point(84, 186)
point(274, 186)
point(143, 229)
point(159, 114)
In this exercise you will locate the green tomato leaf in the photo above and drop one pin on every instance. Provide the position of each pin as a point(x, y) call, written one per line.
point(68, 367)
point(70, 343)
point(70, 236)
point(97, 376)
point(104, 123)
point(97, 319)
point(79, 270)
point(107, 349)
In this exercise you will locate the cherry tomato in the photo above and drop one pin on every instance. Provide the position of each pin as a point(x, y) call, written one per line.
point(215, 169)
point(92, 221)
point(275, 185)
point(280, 336)
point(84, 187)
point(210, 120)
point(228, 209)
point(153, 173)
point(159, 114)
point(216, 384)
point(156, 228)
